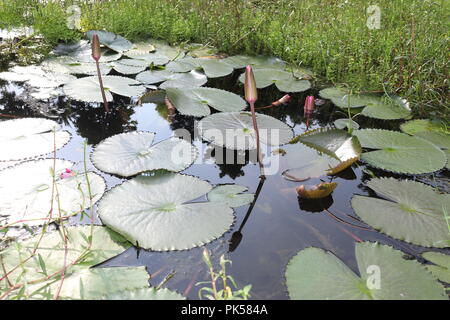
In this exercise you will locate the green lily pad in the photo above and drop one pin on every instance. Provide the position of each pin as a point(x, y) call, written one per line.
point(156, 212)
point(30, 137)
point(234, 130)
point(26, 192)
point(182, 65)
point(215, 68)
point(283, 80)
point(68, 65)
point(257, 62)
point(172, 80)
point(140, 49)
point(317, 274)
point(195, 101)
point(111, 40)
point(413, 212)
point(376, 106)
point(414, 126)
point(441, 267)
point(145, 294)
point(399, 152)
point(231, 195)
point(130, 153)
point(129, 66)
point(346, 123)
point(82, 52)
point(35, 76)
point(88, 89)
point(50, 253)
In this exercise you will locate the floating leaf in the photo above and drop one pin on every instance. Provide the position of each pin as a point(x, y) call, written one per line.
point(321, 190)
point(88, 89)
point(346, 123)
point(414, 126)
point(231, 195)
point(258, 62)
point(283, 80)
point(68, 65)
point(30, 137)
point(153, 212)
point(51, 250)
point(215, 68)
point(111, 40)
point(195, 101)
point(398, 152)
point(129, 66)
point(172, 80)
point(200, 50)
point(140, 49)
point(82, 51)
point(234, 130)
point(26, 192)
point(35, 76)
point(413, 212)
point(317, 274)
point(380, 107)
point(130, 153)
point(145, 294)
point(441, 267)
point(182, 65)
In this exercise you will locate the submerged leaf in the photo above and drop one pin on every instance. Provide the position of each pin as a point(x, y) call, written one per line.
point(413, 212)
point(130, 153)
point(317, 274)
point(30, 137)
point(195, 101)
point(234, 130)
point(398, 152)
point(156, 212)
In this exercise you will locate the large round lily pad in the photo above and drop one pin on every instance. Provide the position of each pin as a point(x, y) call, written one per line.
point(284, 81)
point(156, 212)
point(231, 195)
point(399, 152)
point(68, 65)
point(172, 80)
point(129, 66)
point(35, 76)
point(413, 212)
point(257, 62)
point(82, 51)
point(26, 192)
point(234, 130)
point(111, 40)
point(130, 153)
point(317, 274)
point(441, 265)
point(88, 89)
point(30, 137)
point(195, 101)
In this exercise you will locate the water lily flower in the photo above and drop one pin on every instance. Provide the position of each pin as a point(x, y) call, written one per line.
point(67, 174)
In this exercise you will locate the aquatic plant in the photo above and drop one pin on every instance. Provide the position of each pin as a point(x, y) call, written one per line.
point(96, 54)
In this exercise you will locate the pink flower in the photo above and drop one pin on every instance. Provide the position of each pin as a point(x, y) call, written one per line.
point(308, 109)
point(67, 174)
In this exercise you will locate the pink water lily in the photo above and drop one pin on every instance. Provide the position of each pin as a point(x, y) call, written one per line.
point(67, 174)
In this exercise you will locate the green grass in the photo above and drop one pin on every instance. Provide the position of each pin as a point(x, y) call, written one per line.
point(408, 54)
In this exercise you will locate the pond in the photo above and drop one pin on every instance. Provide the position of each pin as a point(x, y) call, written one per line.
point(262, 240)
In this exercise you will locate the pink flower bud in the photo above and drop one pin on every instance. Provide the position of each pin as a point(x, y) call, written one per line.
point(67, 174)
point(251, 93)
point(95, 47)
point(285, 99)
point(309, 105)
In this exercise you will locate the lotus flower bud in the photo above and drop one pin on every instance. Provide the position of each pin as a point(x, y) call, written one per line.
point(251, 94)
point(308, 109)
point(96, 53)
point(285, 99)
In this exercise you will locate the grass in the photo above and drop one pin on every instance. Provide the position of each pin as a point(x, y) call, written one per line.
point(407, 55)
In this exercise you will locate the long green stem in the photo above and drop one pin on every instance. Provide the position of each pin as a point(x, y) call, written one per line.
point(102, 89)
point(258, 145)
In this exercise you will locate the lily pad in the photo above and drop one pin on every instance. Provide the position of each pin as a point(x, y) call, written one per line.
point(182, 65)
point(140, 48)
point(441, 267)
point(156, 212)
point(68, 65)
point(317, 274)
point(130, 153)
point(111, 40)
point(215, 68)
point(419, 125)
point(145, 294)
point(257, 62)
point(195, 101)
point(413, 212)
point(234, 130)
point(50, 252)
point(385, 107)
point(231, 195)
point(172, 80)
point(35, 76)
point(26, 192)
point(399, 152)
point(283, 80)
point(319, 191)
point(30, 137)
point(346, 123)
point(129, 66)
point(88, 89)
point(82, 51)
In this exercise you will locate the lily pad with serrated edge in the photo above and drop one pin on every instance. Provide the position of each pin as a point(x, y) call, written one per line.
point(172, 80)
point(283, 80)
point(157, 213)
point(441, 265)
point(234, 130)
point(130, 153)
point(316, 274)
point(231, 195)
point(111, 40)
point(195, 101)
point(129, 66)
point(26, 192)
point(88, 89)
point(82, 51)
point(413, 212)
point(68, 65)
point(346, 123)
point(257, 62)
point(145, 294)
point(399, 152)
point(214, 68)
point(30, 137)
point(35, 76)
point(50, 252)
point(413, 126)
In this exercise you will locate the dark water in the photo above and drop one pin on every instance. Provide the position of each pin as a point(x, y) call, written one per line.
point(278, 226)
